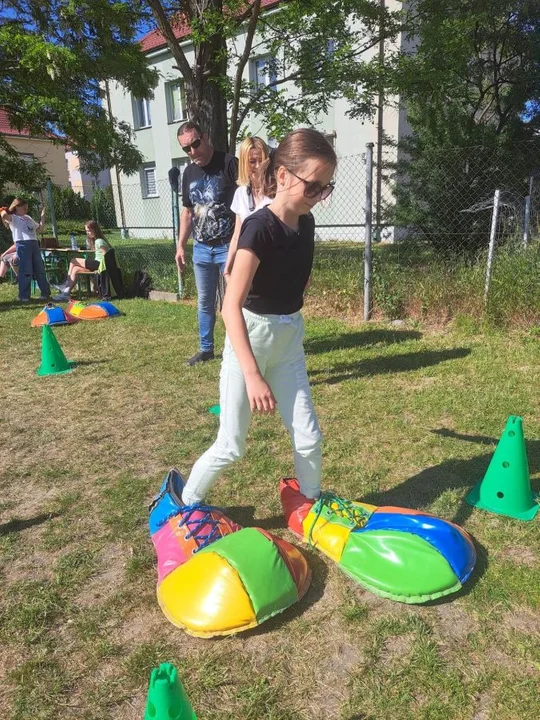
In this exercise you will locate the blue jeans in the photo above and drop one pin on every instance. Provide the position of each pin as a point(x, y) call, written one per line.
point(208, 263)
point(31, 265)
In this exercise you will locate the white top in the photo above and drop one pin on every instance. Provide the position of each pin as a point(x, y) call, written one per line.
point(23, 228)
point(240, 203)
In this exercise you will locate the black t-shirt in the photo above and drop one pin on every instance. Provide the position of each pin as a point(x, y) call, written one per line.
point(286, 259)
point(209, 190)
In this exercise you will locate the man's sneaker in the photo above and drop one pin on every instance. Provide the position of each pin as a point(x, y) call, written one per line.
point(61, 288)
point(24, 300)
point(63, 297)
point(201, 356)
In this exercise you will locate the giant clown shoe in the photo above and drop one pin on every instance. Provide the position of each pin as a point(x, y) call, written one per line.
point(214, 577)
point(405, 555)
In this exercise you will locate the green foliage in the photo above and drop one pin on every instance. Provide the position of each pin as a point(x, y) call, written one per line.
point(69, 205)
point(103, 209)
point(468, 89)
point(55, 58)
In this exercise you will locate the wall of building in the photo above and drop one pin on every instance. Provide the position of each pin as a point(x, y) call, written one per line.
point(159, 145)
point(46, 152)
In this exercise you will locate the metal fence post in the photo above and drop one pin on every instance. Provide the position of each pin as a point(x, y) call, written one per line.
point(367, 246)
point(51, 208)
point(174, 175)
point(526, 221)
point(492, 239)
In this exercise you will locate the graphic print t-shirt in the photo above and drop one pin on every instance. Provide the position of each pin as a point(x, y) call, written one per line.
point(23, 228)
point(209, 190)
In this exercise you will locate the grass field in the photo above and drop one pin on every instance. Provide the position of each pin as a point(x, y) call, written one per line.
point(410, 416)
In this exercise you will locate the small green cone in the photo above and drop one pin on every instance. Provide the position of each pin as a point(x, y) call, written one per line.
point(506, 487)
point(53, 360)
point(167, 699)
point(215, 409)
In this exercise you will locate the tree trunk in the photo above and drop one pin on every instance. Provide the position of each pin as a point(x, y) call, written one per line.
point(206, 101)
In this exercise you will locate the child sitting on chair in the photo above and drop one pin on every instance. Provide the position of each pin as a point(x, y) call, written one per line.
point(8, 259)
point(85, 265)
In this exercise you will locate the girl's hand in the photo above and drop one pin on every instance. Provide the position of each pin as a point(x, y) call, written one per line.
point(260, 396)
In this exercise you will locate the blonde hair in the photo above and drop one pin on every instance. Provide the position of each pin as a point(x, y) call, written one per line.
point(249, 143)
point(17, 202)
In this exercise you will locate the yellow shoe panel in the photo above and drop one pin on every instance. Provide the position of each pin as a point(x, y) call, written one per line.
point(206, 597)
point(327, 536)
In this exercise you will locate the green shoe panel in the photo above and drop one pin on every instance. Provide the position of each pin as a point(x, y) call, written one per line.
point(265, 576)
point(398, 565)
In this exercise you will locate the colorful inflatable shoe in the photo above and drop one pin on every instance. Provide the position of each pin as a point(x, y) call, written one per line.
point(99, 310)
point(215, 578)
point(405, 555)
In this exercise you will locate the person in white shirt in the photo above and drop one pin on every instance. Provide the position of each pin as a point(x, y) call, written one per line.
point(249, 196)
point(24, 230)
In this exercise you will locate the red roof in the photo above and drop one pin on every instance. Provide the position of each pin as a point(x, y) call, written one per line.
point(6, 129)
point(154, 39)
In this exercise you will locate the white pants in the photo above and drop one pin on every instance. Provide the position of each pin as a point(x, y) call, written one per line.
point(276, 341)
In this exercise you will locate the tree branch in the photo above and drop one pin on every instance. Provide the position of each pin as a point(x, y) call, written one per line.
point(172, 42)
point(256, 8)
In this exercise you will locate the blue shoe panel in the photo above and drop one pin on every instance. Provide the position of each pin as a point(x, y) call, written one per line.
point(167, 502)
point(447, 539)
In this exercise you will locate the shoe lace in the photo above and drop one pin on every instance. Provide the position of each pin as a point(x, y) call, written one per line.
point(206, 518)
point(355, 514)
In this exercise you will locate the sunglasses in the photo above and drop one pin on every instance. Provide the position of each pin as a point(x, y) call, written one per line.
point(194, 145)
point(313, 189)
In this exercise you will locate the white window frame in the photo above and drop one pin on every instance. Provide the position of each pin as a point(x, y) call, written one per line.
point(142, 117)
point(270, 75)
point(170, 89)
point(146, 170)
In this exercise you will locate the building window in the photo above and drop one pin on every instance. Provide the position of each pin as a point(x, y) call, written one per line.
point(141, 113)
point(148, 179)
point(27, 157)
point(176, 101)
point(264, 72)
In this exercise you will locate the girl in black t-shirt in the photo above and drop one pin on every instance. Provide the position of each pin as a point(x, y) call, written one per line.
point(263, 360)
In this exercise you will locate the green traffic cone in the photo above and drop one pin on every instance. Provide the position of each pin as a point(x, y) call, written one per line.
point(167, 699)
point(506, 487)
point(53, 360)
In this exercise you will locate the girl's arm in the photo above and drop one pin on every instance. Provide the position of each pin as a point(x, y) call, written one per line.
point(259, 393)
point(5, 215)
point(232, 249)
point(41, 224)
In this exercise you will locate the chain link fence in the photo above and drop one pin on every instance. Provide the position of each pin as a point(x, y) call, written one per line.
point(413, 233)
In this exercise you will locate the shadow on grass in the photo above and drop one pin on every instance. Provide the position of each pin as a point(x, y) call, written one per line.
point(17, 305)
point(425, 487)
point(82, 363)
point(18, 525)
point(386, 364)
point(365, 338)
point(314, 593)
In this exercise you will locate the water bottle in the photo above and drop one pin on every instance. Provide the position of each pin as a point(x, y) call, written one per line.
point(73, 240)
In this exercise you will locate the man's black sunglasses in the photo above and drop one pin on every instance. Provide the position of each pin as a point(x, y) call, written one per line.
point(313, 189)
point(194, 145)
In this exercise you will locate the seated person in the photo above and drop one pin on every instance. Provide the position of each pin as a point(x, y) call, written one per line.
point(81, 265)
point(7, 258)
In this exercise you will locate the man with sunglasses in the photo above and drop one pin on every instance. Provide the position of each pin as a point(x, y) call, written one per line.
point(208, 187)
